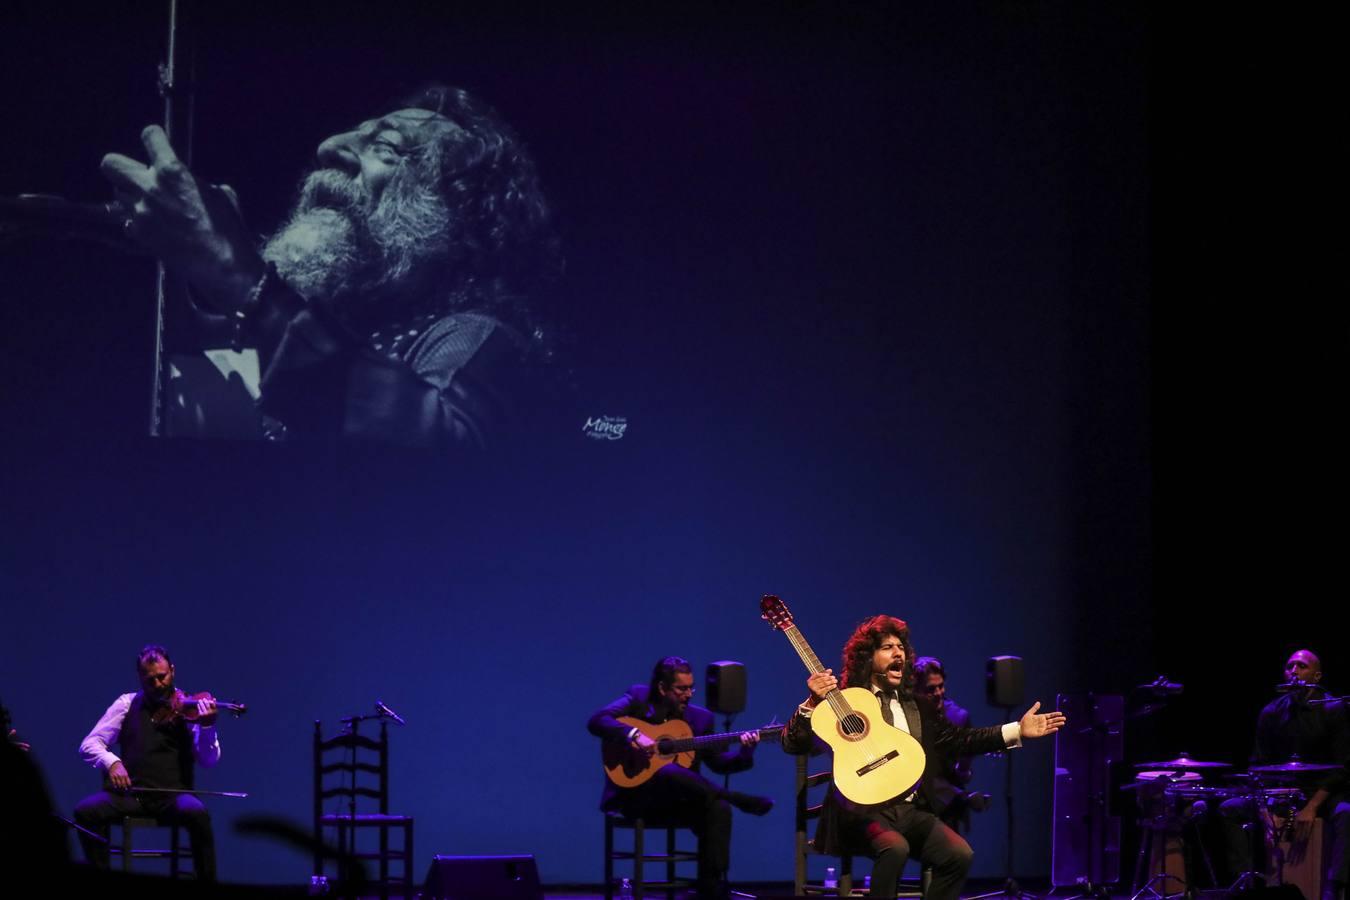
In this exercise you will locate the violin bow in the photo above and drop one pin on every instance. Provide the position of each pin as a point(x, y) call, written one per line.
point(149, 790)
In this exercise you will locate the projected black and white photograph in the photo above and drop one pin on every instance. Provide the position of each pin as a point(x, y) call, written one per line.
point(688, 450)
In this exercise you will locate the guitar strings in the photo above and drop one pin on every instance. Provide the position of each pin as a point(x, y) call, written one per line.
point(835, 698)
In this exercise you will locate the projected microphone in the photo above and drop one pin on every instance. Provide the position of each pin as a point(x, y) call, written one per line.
point(388, 713)
point(49, 216)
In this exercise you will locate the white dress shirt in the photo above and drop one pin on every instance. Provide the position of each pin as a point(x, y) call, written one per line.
point(94, 748)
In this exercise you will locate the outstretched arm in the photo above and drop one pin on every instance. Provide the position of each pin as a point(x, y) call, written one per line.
point(1035, 725)
point(193, 227)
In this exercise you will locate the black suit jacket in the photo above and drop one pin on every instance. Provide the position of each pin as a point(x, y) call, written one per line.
point(635, 703)
point(841, 819)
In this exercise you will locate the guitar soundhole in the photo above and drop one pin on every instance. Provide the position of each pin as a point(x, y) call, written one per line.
point(853, 726)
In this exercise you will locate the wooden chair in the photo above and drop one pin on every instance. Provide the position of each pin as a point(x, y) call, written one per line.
point(806, 812)
point(640, 856)
point(128, 851)
point(342, 778)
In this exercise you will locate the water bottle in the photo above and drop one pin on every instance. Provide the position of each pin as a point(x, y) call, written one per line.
point(830, 880)
point(626, 889)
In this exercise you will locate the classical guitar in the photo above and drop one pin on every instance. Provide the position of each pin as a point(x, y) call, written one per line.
point(873, 762)
point(675, 742)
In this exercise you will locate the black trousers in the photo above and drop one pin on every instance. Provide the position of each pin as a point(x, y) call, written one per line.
point(901, 830)
point(99, 811)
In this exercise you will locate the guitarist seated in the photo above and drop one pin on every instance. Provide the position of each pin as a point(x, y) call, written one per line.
point(878, 656)
point(675, 791)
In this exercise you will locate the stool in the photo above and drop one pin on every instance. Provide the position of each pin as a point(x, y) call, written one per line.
point(639, 856)
point(128, 851)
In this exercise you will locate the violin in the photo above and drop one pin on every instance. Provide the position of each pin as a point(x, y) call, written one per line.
point(182, 705)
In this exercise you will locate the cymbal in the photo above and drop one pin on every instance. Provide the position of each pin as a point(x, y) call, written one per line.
point(1293, 767)
point(1165, 776)
point(1183, 762)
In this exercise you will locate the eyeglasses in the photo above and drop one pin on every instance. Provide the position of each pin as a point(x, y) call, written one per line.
point(682, 689)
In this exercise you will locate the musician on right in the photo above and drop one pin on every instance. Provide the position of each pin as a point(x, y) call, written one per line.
point(1298, 724)
point(879, 656)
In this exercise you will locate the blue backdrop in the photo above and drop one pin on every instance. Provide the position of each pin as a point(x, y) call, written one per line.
point(870, 287)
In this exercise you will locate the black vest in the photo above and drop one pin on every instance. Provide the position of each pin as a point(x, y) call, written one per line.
point(155, 755)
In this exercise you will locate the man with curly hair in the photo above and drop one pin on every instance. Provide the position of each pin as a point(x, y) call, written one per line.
point(392, 304)
point(879, 656)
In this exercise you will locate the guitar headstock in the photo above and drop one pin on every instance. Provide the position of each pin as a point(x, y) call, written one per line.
point(775, 612)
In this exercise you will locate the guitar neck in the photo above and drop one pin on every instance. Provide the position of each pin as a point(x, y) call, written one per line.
point(683, 745)
point(814, 666)
point(775, 611)
point(798, 640)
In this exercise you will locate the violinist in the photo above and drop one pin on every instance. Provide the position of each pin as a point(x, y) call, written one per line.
point(160, 735)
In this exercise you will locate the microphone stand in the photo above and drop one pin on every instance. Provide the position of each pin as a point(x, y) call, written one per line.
point(1308, 688)
point(70, 823)
point(347, 858)
point(726, 728)
point(1010, 886)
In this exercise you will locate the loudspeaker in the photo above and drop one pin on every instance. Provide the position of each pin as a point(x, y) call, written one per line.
point(1003, 681)
point(483, 878)
point(726, 687)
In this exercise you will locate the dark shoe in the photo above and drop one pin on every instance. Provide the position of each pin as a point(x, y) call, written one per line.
point(749, 803)
point(718, 890)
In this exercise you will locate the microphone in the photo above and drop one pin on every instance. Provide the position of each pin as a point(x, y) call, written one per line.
point(1161, 687)
point(388, 713)
point(49, 216)
point(1293, 684)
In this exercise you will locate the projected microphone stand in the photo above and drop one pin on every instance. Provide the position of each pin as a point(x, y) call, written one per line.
point(170, 89)
point(1010, 886)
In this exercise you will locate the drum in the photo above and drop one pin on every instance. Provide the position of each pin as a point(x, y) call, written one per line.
point(1150, 790)
point(1207, 792)
point(1296, 863)
point(1281, 801)
point(1175, 846)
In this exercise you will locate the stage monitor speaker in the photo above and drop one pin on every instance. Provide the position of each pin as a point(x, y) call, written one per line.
point(1004, 684)
point(483, 878)
point(726, 687)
